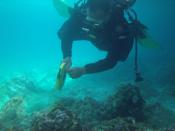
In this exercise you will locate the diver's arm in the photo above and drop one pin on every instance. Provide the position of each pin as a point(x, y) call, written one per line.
point(105, 64)
point(66, 46)
point(66, 36)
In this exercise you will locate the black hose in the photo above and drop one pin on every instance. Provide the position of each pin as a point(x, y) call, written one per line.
point(134, 20)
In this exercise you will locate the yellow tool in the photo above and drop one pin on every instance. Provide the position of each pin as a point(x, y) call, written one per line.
point(61, 77)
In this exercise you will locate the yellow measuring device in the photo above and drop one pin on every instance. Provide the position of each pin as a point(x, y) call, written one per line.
point(61, 77)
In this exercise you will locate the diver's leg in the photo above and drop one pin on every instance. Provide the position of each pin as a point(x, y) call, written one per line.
point(124, 47)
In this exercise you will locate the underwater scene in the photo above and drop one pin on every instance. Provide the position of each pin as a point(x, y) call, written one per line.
point(87, 65)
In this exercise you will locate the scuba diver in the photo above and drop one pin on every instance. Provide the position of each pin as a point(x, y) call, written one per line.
point(102, 22)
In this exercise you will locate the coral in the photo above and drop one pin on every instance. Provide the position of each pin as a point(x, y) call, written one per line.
point(12, 113)
point(87, 110)
point(125, 110)
point(58, 119)
point(13, 108)
point(126, 102)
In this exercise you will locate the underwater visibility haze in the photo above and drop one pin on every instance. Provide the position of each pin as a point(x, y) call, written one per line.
point(30, 59)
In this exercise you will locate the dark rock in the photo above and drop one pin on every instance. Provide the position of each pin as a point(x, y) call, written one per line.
point(127, 102)
point(58, 119)
point(87, 110)
point(12, 110)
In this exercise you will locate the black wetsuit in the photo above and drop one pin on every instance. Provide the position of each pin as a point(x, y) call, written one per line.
point(113, 36)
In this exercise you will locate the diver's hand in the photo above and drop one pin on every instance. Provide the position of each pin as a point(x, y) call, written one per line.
point(76, 72)
point(68, 62)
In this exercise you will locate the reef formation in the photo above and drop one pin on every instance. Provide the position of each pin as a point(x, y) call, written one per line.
point(125, 110)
